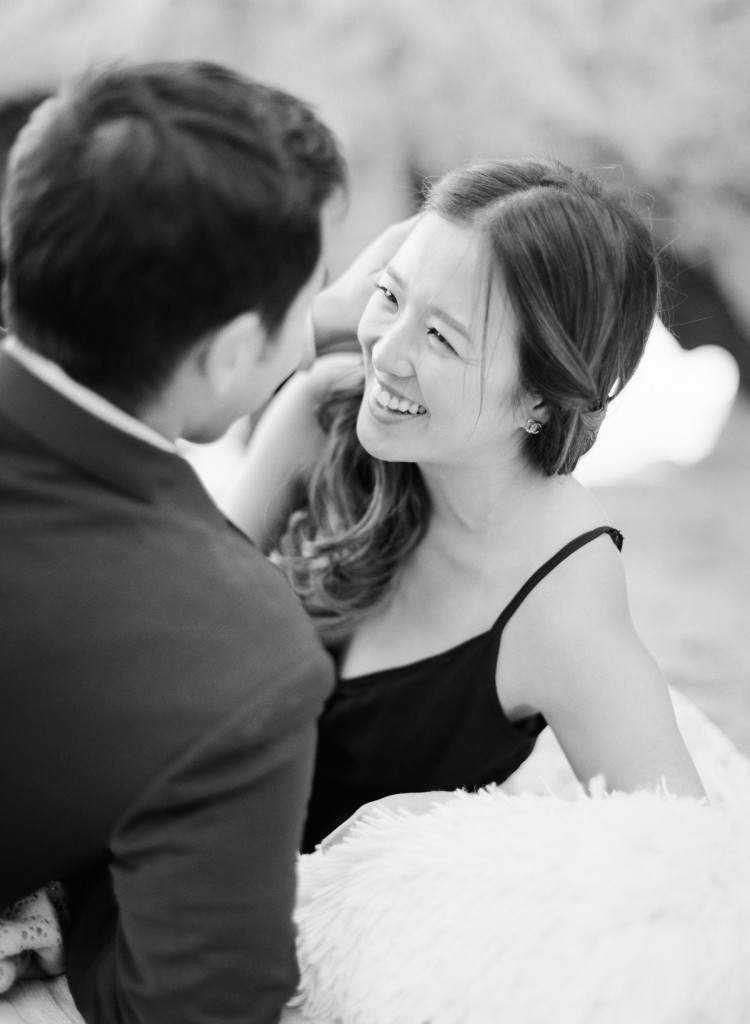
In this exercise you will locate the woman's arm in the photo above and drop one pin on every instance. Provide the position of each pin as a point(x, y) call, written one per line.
point(282, 450)
point(572, 652)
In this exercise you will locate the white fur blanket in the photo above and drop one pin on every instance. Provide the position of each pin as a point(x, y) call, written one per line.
point(617, 909)
point(533, 903)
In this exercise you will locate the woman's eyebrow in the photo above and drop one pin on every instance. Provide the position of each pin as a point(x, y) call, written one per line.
point(388, 269)
point(435, 310)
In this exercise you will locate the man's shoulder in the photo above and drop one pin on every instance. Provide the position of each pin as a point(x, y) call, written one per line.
point(150, 617)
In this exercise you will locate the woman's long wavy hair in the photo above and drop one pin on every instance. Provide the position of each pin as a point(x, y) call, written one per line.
point(580, 271)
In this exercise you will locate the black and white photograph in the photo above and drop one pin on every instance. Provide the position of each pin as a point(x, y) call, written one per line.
point(374, 512)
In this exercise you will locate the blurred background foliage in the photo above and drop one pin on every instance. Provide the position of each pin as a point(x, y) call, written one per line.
point(655, 96)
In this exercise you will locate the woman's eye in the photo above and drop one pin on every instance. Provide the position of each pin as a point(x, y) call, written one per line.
point(389, 296)
point(436, 334)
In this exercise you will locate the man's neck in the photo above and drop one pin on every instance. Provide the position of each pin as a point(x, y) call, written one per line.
point(55, 377)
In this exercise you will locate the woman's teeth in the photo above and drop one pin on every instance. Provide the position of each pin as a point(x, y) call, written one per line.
point(388, 401)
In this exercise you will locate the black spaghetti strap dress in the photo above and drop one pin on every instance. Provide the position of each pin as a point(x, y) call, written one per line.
point(434, 724)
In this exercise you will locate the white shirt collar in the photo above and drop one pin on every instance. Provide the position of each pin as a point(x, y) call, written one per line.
point(57, 378)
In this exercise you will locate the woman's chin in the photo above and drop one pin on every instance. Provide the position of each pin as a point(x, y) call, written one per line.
point(375, 444)
point(377, 448)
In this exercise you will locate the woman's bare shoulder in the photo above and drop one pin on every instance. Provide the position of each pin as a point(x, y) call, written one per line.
point(578, 604)
point(572, 640)
point(586, 587)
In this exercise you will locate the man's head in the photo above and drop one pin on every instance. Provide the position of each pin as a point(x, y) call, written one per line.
point(147, 208)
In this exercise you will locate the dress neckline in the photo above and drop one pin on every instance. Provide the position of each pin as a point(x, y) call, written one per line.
point(497, 627)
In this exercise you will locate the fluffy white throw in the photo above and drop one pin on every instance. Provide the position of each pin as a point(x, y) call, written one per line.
point(624, 909)
point(538, 904)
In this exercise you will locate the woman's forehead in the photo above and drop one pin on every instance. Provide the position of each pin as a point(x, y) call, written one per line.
point(446, 264)
point(442, 255)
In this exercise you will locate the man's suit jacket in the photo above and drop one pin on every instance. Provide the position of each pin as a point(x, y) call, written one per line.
point(160, 687)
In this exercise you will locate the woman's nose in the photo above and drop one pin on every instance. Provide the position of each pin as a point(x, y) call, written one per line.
point(391, 352)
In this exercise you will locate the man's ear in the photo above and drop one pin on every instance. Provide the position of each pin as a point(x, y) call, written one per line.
point(229, 352)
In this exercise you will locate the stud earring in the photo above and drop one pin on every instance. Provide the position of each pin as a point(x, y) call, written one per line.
point(532, 426)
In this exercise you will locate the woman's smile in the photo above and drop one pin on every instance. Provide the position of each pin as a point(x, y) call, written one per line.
point(391, 401)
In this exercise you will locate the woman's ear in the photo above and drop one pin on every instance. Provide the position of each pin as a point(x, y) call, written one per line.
point(540, 410)
point(534, 410)
point(228, 353)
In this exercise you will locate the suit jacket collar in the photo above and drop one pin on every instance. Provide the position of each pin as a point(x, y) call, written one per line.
point(99, 449)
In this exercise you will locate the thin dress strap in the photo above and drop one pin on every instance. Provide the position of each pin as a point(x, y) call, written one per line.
point(551, 563)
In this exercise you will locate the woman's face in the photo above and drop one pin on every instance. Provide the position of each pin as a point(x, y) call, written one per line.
point(440, 350)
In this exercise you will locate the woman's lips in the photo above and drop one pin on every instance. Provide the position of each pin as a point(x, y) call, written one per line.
point(395, 403)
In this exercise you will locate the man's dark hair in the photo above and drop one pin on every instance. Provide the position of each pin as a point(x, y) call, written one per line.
point(15, 111)
point(145, 206)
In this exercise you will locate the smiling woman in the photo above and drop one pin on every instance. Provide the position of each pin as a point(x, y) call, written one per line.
point(420, 499)
point(423, 339)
